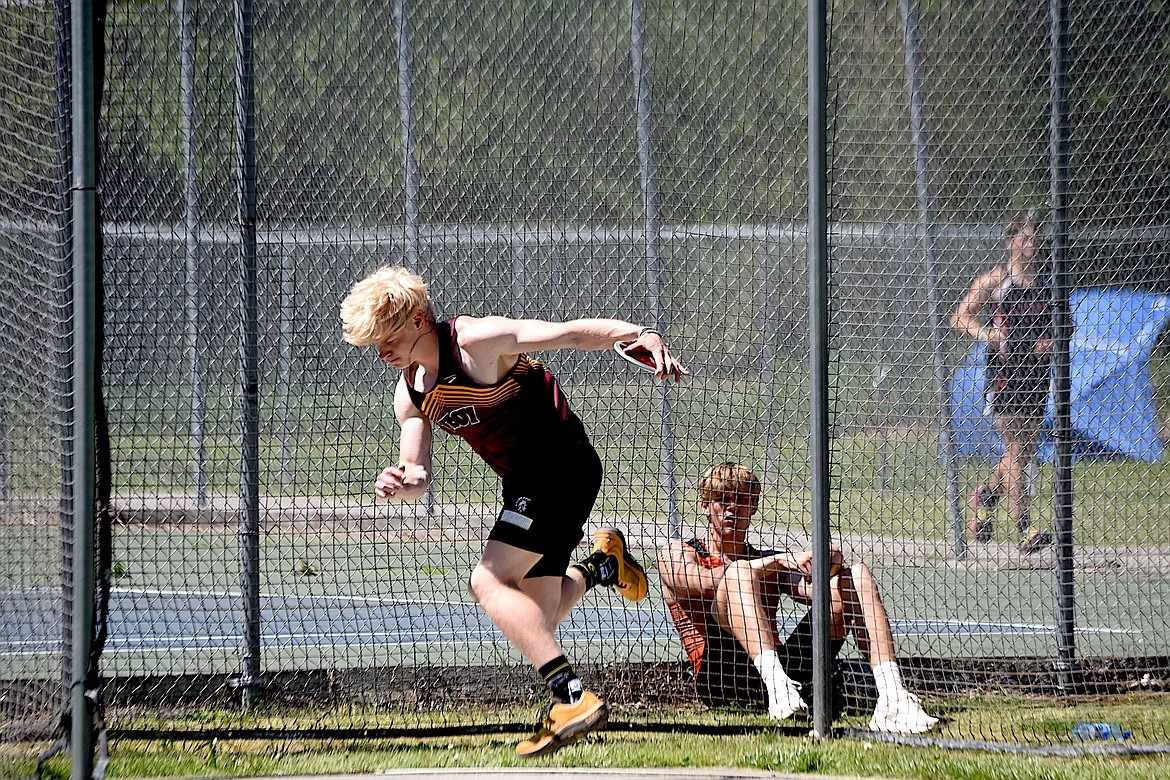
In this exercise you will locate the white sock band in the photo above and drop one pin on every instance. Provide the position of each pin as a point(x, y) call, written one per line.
point(888, 678)
point(768, 664)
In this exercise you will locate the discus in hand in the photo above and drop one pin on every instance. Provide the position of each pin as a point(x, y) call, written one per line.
point(638, 356)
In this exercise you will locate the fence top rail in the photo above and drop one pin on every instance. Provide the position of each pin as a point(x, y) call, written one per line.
point(519, 235)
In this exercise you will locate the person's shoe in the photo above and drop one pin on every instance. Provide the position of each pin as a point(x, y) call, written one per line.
point(1039, 541)
point(785, 701)
point(630, 579)
point(565, 724)
point(901, 713)
point(983, 503)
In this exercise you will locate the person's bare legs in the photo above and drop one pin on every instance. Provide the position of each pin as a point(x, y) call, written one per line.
point(526, 611)
point(866, 619)
point(739, 610)
point(865, 615)
point(1020, 435)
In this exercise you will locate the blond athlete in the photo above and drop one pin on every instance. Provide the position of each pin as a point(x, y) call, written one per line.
point(472, 377)
point(723, 593)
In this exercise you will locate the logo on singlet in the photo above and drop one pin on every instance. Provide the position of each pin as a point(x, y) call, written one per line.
point(459, 418)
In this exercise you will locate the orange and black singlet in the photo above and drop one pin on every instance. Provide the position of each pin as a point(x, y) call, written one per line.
point(692, 618)
point(521, 422)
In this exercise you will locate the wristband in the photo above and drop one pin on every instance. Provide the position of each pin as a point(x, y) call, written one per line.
point(644, 331)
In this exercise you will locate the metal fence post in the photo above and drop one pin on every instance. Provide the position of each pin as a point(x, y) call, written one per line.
point(767, 351)
point(653, 249)
point(818, 324)
point(85, 244)
point(250, 680)
point(5, 480)
point(406, 112)
point(193, 284)
point(926, 231)
point(409, 162)
point(519, 277)
point(1062, 337)
point(288, 302)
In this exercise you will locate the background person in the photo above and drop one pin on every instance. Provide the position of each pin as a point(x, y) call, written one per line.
point(1008, 309)
point(722, 594)
point(472, 376)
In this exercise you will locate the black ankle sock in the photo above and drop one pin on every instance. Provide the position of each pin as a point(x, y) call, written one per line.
point(561, 680)
point(1023, 523)
point(599, 569)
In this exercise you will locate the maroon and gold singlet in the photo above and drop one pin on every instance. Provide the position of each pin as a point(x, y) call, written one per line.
point(520, 422)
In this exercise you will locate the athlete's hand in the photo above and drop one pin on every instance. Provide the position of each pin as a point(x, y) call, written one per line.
point(803, 561)
point(666, 365)
point(836, 560)
point(994, 337)
point(404, 482)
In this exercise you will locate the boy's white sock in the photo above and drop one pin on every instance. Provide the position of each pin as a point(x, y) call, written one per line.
point(768, 665)
point(783, 691)
point(888, 678)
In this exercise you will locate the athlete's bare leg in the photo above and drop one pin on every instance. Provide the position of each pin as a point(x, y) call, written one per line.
point(865, 614)
point(526, 611)
point(739, 608)
point(1020, 435)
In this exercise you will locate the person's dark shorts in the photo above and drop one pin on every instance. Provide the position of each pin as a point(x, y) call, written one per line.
point(546, 507)
point(727, 675)
point(1018, 390)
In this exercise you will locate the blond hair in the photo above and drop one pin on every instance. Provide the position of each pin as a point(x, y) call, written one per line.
point(730, 480)
point(382, 304)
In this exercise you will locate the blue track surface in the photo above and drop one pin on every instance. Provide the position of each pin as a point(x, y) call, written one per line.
point(150, 621)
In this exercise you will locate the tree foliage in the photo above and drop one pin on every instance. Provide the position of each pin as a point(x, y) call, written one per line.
point(525, 112)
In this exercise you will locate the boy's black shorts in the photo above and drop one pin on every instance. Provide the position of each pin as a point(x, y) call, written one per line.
point(546, 507)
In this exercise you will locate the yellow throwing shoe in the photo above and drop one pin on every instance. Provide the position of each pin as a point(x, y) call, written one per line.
point(565, 724)
point(631, 577)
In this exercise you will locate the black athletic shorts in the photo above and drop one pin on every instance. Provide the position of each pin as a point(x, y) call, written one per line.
point(728, 676)
point(1019, 389)
point(546, 507)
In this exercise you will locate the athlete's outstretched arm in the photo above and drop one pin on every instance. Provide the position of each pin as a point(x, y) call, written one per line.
point(410, 477)
point(504, 336)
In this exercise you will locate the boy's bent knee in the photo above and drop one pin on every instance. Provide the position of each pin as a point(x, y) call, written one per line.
point(862, 577)
point(738, 573)
point(482, 583)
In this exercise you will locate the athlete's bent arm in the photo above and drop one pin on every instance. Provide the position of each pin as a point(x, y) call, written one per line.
point(409, 478)
point(801, 562)
point(682, 576)
point(966, 317)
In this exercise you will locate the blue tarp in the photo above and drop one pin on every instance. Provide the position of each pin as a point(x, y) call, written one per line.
point(1113, 413)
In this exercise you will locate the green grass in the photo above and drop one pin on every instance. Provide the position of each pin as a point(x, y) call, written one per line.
point(332, 440)
point(751, 744)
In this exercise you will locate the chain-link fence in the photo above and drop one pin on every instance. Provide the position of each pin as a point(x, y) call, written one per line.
point(557, 160)
point(35, 404)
